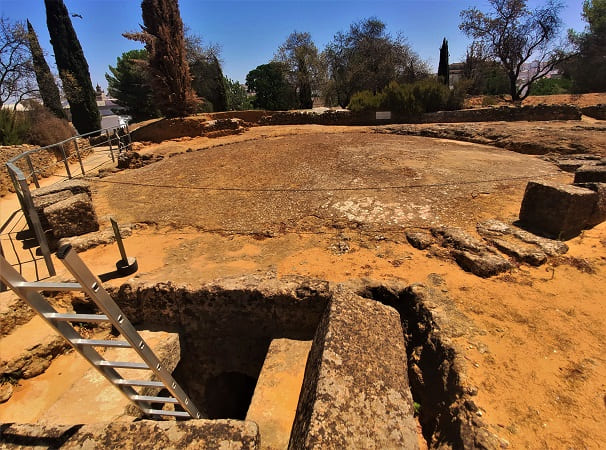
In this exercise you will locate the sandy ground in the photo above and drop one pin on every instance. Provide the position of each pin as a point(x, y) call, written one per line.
point(333, 203)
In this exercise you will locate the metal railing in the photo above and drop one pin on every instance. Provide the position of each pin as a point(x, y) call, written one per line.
point(23, 171)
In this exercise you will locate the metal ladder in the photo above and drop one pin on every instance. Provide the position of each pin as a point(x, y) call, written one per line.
point(61, 323)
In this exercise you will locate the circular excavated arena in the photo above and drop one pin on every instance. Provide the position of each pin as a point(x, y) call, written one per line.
point(298, 181)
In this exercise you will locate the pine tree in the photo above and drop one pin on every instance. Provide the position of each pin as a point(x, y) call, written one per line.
point(73, 68)
point(46, 82)
point(164, 40)
point(443, 69)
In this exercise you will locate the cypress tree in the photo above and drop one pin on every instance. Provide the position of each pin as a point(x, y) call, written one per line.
point(46, 82)
point(73, 68)
point(443, 69)
point(220, 100)
point(164, 40)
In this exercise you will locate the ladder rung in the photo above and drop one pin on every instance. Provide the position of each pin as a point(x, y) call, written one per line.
point(101, 343)
point(161, 412)
point(122, 364)
point(77, 317)
point(46, 286)
point(143, 383)
point(152, 399)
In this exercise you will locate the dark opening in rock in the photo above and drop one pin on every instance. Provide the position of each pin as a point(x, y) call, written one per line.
point(228, 395)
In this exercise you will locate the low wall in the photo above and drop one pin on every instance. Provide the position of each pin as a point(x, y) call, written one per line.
point(503, 113)
point(506, 113)
point(595, 111)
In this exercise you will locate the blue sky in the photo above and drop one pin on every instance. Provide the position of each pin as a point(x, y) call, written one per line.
point(249, 32)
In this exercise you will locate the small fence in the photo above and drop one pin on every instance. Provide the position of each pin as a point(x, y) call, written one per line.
point(28, 167)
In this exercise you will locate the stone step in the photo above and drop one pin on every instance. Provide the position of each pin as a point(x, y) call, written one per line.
point(274, 402)
point(93, 399)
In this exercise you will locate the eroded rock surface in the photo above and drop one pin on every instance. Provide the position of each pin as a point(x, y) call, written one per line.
point(72, 217)
point(13, 312)
point(355, 393)
point(492, 228)
point(36, 360)
point(145, 434)
point(470, 253)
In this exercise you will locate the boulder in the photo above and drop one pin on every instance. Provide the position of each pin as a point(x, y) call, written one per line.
point(458, 239)
point(419, 239)
point(483, 265)
point(590, 174)
point(6, 391)
point(72, 217)
point(520, 251)
point(556, 210)
point(494, 228)
point(355, 393)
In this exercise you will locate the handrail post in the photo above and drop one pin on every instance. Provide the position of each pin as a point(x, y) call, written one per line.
point(69, 174)
point(78, 153)
point(111, 150)
point(35, 222)
point(129, 146)
point(31, 167)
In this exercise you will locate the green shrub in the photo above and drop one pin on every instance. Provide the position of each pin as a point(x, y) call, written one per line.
point(365, 101)
point(14, 127)
point(409, 99)
point(431, 95)
point(551, 86)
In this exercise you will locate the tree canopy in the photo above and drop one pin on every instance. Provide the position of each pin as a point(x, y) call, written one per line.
point(49, 92)
point(590, 47)
point(162, 34)
point(207, 75)
point(73, 68)
point(443, 69)
point(237, 98)
point(271, 88)
point(514, 35)
point(130, 84)
point(16, 69)
point(303, 65)
point(367, 57)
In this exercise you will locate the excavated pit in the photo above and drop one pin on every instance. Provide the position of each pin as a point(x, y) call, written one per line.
point(226, 331)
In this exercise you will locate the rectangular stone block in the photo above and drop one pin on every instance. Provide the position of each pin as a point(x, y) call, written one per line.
point(74, 186)
point(555, 210)
point(274, 403)
point(44, 201)
point(72, 217)
point(590, 174)
point(355, 392)
point(599, 210)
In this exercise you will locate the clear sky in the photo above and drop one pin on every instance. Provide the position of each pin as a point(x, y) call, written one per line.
point(250, 31)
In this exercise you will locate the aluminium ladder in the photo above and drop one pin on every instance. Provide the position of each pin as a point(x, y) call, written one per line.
point(60, 322)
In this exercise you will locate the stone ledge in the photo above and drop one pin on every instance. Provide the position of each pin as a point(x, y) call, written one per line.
point(146, 434)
